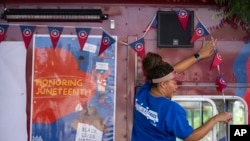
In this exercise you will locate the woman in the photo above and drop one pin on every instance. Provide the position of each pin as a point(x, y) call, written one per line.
point(156, 117)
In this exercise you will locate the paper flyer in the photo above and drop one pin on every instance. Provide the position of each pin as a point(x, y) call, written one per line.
point(73, 90)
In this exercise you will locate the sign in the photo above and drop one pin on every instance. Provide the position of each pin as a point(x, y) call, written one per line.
point(73, 90)
point(86, 132)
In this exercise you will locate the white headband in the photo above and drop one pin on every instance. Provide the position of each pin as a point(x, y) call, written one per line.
point(164, 78)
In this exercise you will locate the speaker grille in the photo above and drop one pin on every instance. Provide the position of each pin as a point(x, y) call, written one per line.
point(170, 33)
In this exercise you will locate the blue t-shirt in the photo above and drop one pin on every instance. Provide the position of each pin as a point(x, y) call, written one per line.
point(158, 118)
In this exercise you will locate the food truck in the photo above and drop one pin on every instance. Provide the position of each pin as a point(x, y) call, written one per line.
point(70, 68)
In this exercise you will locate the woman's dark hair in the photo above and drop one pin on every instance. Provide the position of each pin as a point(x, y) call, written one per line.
point(151, 60)
point(155, 67)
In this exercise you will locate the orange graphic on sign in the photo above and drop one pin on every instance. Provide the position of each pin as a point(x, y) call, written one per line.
point(58, 85)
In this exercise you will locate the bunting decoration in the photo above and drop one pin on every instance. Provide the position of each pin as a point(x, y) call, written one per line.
point(27, 34)
point(106, 41)
point(82, 35)
point(200, 31)
point(183, 16)
point(55, 33)
point(221, 83)
point(139, 47)
point(3, 30)
point(217, 60)
point(152, 24)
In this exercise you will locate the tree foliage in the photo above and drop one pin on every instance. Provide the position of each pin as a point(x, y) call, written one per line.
point(236, 12)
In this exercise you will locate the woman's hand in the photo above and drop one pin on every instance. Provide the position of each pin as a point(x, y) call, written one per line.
point(224, 117)
point(207, 49)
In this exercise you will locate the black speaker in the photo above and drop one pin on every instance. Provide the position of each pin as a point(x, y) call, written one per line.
point(170, 33)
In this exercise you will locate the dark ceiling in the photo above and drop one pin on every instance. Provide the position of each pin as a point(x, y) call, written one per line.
point(181, 2)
